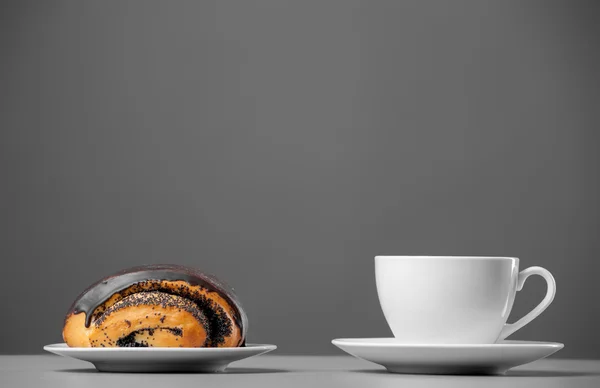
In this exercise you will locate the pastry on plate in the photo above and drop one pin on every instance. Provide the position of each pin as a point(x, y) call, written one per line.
point(156, 306)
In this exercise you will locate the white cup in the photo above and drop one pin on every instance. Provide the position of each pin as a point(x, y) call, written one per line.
point(453, 299)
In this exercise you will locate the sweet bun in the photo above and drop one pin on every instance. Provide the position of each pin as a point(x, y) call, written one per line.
point(156, 306)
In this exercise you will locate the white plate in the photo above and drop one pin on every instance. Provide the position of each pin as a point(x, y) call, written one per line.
point(447, 359)
point(160, 359)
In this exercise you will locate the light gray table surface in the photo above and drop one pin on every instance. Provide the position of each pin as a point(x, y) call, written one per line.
point(288, 371)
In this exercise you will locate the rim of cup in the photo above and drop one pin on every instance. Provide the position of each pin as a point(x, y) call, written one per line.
point(391, 257)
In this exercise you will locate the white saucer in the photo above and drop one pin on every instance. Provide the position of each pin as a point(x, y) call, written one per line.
point(160, 359)
point(447, 359)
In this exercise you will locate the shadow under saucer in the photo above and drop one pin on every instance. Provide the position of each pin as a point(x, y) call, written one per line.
point(510, 373)
point(227, 371)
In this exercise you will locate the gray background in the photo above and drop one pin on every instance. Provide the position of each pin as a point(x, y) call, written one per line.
point(283, 144)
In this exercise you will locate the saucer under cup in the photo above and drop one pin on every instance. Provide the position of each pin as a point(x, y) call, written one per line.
point(477, 359)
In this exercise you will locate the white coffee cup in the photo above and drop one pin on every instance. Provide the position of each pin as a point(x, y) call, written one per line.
point(453, 299)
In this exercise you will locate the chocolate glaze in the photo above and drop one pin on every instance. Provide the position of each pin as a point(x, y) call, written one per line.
point(102, 290)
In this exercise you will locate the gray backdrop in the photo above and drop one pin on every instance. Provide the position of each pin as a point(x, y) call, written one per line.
point(283, 144)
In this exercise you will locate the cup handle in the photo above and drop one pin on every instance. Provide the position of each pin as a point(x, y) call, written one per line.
point(510, 328)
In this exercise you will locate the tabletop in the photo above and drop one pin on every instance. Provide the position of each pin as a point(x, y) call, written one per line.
point(289, 371)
